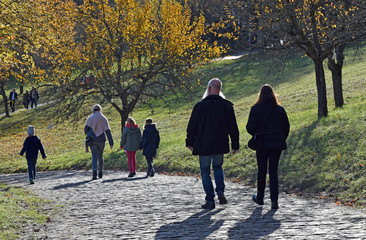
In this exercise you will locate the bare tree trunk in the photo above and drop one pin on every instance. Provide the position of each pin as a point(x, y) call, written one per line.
point(5, 98)
point(21, 88)
point(124, 117)
point(123, 112)
point(321, 88)
point(335, 64)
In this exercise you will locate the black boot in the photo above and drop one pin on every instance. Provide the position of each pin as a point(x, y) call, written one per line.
point(100, 175)
point(94, 175)
point(256, 200)
point(275, 204)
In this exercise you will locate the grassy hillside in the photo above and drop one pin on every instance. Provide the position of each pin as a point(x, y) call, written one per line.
point(326, 157)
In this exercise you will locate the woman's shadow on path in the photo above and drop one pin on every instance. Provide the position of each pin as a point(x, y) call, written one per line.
point(256, 226)
point(197, 226)
point(76, 184)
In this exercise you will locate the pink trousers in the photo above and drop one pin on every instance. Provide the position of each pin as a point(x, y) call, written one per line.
point(131, 159)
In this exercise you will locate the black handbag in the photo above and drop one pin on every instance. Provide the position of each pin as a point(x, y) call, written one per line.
point(257, 140)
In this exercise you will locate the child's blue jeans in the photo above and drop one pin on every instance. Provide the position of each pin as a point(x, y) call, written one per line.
point(32, 168)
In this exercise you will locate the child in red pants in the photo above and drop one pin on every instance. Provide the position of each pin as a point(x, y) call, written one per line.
point(130, 142)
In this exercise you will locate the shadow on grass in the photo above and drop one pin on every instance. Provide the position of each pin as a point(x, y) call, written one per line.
point(319, 157)
point(290, 166)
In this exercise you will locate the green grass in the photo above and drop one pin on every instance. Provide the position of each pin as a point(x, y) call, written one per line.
point(325, 157)
point(19, 208)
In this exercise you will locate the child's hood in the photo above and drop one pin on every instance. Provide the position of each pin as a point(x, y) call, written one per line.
point(33, 139)
point(150, 128)
point(133, 130)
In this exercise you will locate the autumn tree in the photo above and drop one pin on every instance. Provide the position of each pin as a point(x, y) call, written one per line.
point(135, 50)
point(316, 28)
point(14, 44)
point(29, 30)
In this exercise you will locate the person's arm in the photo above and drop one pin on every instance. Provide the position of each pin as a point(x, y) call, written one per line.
point(251, 124)
point(192, 128)
point(144, 140)
point(110, 138)
point(139, 136)
point(41, 149)
point(233, 131)
point(285, 124)
point(86, 129)
point(157, 139)
point(23, 149)
point(123, 138)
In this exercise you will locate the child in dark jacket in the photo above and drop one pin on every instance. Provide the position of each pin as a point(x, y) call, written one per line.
point(31, 146)
point(150, 142)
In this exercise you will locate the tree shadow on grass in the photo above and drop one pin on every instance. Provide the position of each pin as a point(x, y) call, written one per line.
point(198, 226)
point(256, 226)
point(304, 164)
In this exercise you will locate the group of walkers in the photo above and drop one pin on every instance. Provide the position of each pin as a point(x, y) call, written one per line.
point(96, 130)
point(29, 97)
point(211, 124)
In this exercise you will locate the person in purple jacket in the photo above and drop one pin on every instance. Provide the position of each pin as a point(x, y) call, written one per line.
point(31, 146)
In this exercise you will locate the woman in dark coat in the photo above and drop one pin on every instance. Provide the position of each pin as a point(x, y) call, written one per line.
point(269, 117)
point(150, 142)
point(26, 99)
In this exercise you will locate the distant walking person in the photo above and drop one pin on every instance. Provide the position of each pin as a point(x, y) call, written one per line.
point(26, 99)
point(34, 96)
point(97, 127)
point(266, 116)
point(130, 142)
point(212, 122)
point(13, 96)
point(150, 142)
point(31, 146)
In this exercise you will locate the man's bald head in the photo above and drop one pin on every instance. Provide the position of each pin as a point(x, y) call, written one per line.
point(214, 87)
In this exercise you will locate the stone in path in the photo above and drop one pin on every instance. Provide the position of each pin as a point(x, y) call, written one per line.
point(168, 207)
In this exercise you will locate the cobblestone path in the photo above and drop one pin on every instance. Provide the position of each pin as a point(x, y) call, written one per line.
point(168, 207)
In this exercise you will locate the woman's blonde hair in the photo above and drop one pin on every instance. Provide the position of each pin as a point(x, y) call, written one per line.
point(130, 121)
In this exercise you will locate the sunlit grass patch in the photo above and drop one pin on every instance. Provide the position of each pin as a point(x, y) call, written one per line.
point(19, 208)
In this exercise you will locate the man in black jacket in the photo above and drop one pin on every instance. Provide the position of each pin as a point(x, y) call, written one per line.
point(212, 122)
point(13, 96)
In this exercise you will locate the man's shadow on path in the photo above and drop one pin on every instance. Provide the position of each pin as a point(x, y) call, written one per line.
point(197, 226)
point(256, 226)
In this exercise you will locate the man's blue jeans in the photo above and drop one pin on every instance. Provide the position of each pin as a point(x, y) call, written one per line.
point(205, 165)
point(33, 102)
